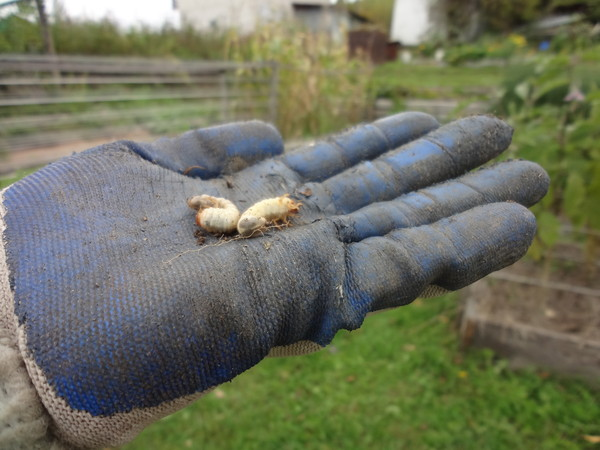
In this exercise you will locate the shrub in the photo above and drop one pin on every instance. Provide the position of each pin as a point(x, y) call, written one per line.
point(555, 109)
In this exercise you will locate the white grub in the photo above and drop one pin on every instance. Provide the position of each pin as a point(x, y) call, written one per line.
point(215, 214)
point(200, 202)
point(270, 210)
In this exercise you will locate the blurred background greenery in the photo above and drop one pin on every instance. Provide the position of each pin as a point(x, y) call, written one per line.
point(403, 380)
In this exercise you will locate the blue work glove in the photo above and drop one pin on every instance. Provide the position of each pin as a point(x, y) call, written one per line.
point(121, 316)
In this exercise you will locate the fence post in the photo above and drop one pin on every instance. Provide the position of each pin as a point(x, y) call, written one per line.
point(225, 106)
point(273, 88)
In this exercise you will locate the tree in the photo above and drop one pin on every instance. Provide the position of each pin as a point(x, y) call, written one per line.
point(45, 28)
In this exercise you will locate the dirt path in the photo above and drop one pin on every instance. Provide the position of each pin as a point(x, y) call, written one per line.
point(25, 159)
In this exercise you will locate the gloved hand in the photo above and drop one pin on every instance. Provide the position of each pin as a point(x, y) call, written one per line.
point(119, 315)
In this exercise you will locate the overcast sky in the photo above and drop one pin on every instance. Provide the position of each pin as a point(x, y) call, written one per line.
point(125, 12)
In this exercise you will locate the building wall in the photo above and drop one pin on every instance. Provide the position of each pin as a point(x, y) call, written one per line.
point(244, 15)
point(415, 21)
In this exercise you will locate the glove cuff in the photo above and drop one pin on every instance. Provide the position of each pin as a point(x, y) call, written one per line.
point(24, 422)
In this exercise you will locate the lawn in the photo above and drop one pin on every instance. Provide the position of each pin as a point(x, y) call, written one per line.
point(401, 381)
point(397, 80)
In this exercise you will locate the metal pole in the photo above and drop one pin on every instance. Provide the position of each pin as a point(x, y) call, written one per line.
point(273, 92)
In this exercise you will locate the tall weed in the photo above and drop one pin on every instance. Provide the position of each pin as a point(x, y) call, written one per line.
point(104, 37)
point(319, 88)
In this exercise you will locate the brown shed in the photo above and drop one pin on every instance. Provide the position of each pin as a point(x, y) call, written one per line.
point(370, 43)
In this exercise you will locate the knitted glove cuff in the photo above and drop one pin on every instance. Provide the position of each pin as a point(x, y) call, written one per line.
point(24, 422)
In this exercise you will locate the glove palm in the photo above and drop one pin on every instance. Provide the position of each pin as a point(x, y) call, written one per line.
point(122, 317)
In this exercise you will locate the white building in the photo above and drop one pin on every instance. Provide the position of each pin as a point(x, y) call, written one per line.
point(246, 15)
point(416, 21)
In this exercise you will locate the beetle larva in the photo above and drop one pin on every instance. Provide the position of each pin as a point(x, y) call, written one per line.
point(270, 210)
point(215, 214)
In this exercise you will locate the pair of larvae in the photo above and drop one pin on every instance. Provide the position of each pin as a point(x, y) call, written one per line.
point(219, 215)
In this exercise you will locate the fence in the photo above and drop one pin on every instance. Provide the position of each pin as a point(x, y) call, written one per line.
point(55, 102)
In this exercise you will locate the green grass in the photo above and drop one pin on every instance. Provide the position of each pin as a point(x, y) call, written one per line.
point(398, 80)
point(401, 381)
point(9, 179)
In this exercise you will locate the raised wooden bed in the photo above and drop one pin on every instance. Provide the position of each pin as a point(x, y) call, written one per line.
point(537, 315)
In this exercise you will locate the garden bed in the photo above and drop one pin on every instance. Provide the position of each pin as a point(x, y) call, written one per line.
point(545, 315)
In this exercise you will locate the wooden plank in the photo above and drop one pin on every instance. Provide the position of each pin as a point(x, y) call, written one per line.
point(62, 119)
point(187, 95)
point(184, 80)
point(118, 60)
point(95, 68)
point(48, 59)
point(545, 284)
point(44, 63)
point(525, 344)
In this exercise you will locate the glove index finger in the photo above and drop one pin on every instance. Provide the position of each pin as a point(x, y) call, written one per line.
point(328, 157)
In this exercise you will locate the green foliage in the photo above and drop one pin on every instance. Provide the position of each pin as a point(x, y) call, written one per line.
point(401, 82)
point(497, 15)
point(401, 381)
point(543, 82)
point(18, 35)
point(591, 8)
point(554, 105)
point(576, 38)
point(460, 54)
point(492, 47)
point(106, 38)
point(506, 15)
point(503, 15)
point(86, 37)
